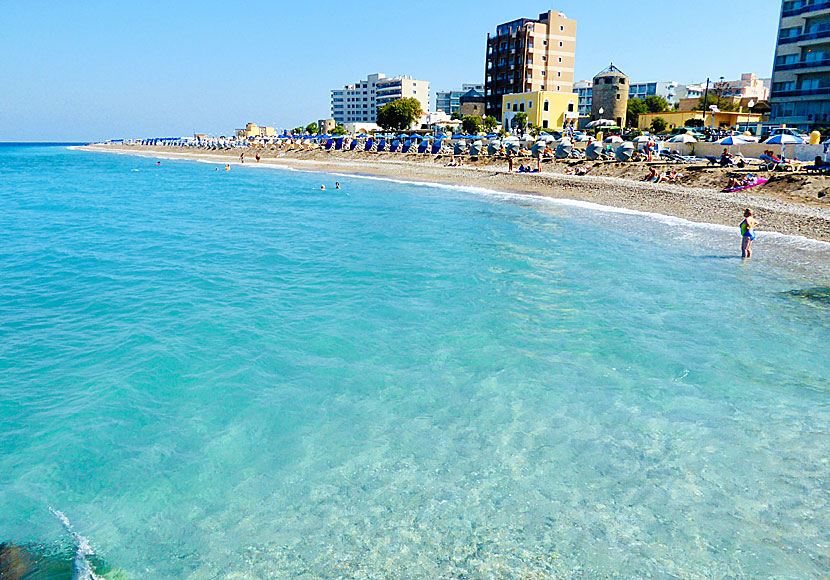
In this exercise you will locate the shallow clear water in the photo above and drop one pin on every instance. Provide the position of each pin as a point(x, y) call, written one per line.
point(237, 375)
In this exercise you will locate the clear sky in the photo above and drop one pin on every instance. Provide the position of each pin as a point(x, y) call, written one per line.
point(88, 70)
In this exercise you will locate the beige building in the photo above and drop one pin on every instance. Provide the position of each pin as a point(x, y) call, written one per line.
point(675, 119)
point(528, 55)
point(325, 126)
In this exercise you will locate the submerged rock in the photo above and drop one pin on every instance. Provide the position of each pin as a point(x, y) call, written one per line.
point(820, 294)
point(37, 562)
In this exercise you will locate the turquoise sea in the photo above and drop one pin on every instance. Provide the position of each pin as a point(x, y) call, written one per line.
point(236, 375)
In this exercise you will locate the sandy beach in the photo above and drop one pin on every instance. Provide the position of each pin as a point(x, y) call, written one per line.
point(792, 204)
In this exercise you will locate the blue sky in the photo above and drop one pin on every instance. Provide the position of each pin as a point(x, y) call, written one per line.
point(75, 70)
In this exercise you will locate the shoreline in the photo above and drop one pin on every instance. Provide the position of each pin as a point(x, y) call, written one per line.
point(696, 204)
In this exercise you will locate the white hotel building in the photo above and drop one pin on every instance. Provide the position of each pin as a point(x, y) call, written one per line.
point(359, 103)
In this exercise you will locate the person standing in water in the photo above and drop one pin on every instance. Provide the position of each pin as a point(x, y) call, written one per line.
point(747, 233)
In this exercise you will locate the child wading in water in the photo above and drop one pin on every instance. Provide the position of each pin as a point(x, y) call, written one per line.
point(747, 233)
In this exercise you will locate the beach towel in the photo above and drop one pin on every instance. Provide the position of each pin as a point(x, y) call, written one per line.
point(757, 183)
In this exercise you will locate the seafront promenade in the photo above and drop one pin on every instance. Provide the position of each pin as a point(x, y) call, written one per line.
point(788, 204)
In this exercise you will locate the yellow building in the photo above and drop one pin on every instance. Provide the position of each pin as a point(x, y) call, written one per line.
point(268, 132)
point(252, 130)
point(545, 109)
point(676, 119)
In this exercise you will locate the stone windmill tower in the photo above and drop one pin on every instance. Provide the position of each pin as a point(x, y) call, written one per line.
point(610, 96)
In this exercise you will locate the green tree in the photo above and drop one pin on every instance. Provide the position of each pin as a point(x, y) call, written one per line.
point(456, 116)
point(490, 123)
point(693, 123)
point(338, 130)
point(520, 121)
point(658, 125)
point(311, 128)
point(636, 107)
point(471, 124)
point(656, 104)
point(298, 131)
point(399, 115)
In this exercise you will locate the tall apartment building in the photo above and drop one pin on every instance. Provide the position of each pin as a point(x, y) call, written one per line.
point(801, 72)
point(450, 101)
point(359, 103)
point(528, 55)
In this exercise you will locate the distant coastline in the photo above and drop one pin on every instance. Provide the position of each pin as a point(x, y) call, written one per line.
point(779, 211)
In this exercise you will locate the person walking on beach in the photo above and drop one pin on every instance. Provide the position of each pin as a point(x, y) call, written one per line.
point(242, 158)
point(747, 233)
point(257, 156)
point(510, 162)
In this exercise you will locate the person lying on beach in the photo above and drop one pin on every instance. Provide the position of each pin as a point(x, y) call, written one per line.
point(653, 175)
point(452, 162)
point(747, 181)
point(578, 170)
point(670, 176)
point(522, 168)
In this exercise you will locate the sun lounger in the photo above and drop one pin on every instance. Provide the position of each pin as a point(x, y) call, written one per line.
point(406, 146)
point(353, 145)
point(393, 147)
point(329, 144)
point(422, 148)
point(370, 143)
point(436, 148)
point(338, 144)
point(381, 145)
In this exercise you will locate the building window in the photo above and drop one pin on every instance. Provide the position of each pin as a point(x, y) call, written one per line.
point(543, 73)
point(560, 59)
point(559, 74)
point(571, 107)
point(544, 43)
point(530, 104)
point(560, 44)
point(521, 107)
point(561, 28)
point(544, 124)
point(618, 96)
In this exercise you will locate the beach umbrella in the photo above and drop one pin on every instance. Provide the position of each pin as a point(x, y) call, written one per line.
point(476, 147)
point(684, 138)
point(642, 139)
point(493, 147)
point(458, 136)
point(613, 139)
point(784, 139)
point(732, 140)
point(563, 150)
point(593, 151)
point(538, 148)
point(624, 151)
point(491, 136)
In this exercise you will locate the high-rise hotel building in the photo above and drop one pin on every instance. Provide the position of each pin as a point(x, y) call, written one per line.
point(800, 94)
point(528, 55)
point(359, 103)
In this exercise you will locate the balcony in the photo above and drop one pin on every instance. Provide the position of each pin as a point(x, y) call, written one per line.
point(811, 8)
point(820, 35)
point(804, 64)
point(800, 93)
